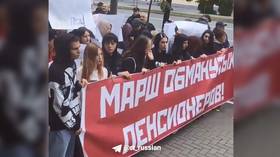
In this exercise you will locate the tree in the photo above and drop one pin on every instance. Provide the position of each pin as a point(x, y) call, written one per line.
point(207, 6)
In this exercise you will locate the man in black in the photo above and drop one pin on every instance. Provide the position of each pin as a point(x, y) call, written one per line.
point(136, 14)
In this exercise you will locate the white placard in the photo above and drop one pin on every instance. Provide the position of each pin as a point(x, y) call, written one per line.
point(70, 14)
point(189, 28)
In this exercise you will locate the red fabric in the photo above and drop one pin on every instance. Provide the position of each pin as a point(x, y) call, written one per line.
point(103, 134)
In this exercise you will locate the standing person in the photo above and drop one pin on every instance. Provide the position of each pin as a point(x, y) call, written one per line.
point(139, 58)
point(220, 40)
point(149, 26)
point(93, 66)
point(221, 26)
point(64, 101)
point(161, 57)
point(112, 58)
point(207, 39)
point(180, 49)
point(135, 14)
point(84, 36)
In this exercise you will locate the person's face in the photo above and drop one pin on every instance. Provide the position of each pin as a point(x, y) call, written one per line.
point(110, 47)
point(206, 38)
point(163, 44)
point(75, 50)
point(136, 13)
point(143, 17)
point(99, 58)
point(185, 44)
point(85, 39)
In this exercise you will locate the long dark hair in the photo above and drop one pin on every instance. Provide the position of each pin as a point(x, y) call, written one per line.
point(157, 40)
point(62, 48)
point(177, 48)
point(81, 31)
point(137, 50)
point(195, 45)
point(109, 37)
point(210, 45)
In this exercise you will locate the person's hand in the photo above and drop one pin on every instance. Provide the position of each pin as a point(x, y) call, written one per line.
point(177, 62)
point(203, 56)
point(125, 75)
point(78, 132)
point(84, 83)
point(150, 55)
point(144, 70)
point(222, 51)
point(162, 64)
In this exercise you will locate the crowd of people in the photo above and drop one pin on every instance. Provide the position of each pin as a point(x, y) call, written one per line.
point(77, 58)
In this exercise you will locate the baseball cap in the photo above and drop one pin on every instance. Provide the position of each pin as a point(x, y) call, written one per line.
point(220, 24)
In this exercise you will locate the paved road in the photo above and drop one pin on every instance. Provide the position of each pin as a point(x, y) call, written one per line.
point(208, 136)
point(156, 19)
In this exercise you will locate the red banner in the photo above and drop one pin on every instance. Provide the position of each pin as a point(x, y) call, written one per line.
point(118, 113)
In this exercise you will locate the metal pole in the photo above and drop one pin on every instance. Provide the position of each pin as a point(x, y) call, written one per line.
point(149, 12)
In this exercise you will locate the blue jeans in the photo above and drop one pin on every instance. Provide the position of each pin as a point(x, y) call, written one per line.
point(61, 143)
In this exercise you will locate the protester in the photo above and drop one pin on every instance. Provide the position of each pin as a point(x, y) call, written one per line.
point(139, 28)
point(221, 26)
point(139, 58)
point(136, 14)
point(84, 35)
point(64, 88)
point(180, 49)
point(93, 66)
point(149, 26)
point(161, 57)
point(207, 39)
point(220, 40)
point(127, 40)
point(112, 58)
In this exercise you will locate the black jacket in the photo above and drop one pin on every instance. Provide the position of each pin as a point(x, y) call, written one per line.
point(113, 63)
point(64, 99)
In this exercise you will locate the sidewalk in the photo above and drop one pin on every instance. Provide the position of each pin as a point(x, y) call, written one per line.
point(180, 9)
point(209, 136)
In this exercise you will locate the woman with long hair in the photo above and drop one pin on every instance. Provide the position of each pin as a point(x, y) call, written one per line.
point(180, 49)
point(93, 66)
point(207, 39)
point(112, 58)
point(161, 57)
point(139, 58)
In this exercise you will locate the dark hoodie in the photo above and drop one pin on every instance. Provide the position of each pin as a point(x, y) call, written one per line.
point(64, 102)
point(208, 49)
point(177, 52)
